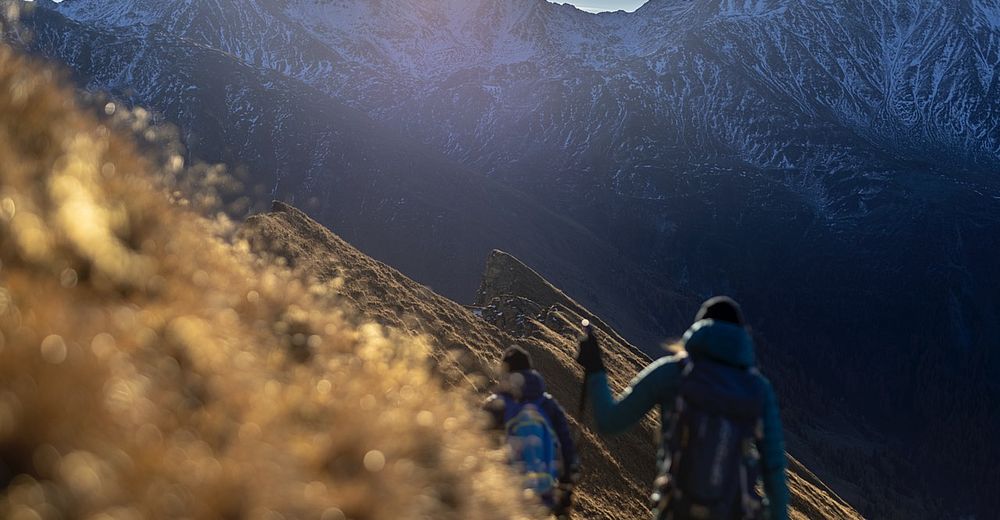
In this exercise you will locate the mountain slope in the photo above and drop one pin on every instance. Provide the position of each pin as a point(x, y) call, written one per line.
point(465, 343)
point(616, 470)
point(830, 164)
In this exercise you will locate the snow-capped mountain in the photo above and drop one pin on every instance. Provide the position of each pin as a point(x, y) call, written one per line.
point(914, 76)
point(831, 163)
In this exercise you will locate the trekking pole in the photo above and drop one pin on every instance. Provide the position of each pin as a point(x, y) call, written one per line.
point(588, 330)
point(566, 514)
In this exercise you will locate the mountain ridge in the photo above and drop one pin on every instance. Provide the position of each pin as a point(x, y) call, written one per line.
point(505, 275)
point(616, 470)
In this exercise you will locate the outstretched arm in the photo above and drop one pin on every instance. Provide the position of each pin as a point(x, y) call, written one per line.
point(772, 454)
point(646, 391)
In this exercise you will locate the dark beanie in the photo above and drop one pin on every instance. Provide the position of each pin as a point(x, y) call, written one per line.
point(721, 308)
point(516, 359)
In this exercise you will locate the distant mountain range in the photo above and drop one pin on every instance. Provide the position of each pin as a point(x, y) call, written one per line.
point(830, 164)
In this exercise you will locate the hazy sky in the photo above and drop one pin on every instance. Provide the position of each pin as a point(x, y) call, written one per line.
point(604, 5)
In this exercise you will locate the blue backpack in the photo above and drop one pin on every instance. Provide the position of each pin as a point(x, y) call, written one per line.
point(711, 464)
point(534, 446)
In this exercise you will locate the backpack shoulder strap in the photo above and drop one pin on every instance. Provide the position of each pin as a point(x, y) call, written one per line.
point(548, 405)
point(556, 417)
point(686, 364)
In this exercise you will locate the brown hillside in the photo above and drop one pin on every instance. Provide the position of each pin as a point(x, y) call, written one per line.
point(464, 344)
point(152, 368)
point(514, 305)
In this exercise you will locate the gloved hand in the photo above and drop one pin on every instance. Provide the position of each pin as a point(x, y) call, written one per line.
point(589, 354)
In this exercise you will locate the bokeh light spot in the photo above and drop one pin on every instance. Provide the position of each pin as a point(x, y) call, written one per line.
point(333, 514)
point(103, 345)
point(7, 208)
point(374, 461)
point(68, 278)
point(54, 349)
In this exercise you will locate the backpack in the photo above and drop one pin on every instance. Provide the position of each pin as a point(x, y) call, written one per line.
point(535, 449)
point(710, 461)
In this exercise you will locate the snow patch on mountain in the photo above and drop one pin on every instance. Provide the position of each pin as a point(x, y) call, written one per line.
point(114, 14)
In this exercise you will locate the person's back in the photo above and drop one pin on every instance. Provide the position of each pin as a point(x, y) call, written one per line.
point(719, 414)
point(536, 430)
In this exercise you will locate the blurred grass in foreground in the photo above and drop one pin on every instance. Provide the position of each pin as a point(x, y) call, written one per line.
point(152, 367)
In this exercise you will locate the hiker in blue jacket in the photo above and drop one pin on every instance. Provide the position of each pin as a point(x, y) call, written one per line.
point(715, 382)
point(537, 431)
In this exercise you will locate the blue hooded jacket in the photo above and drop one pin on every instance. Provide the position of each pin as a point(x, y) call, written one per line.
point(657, 384)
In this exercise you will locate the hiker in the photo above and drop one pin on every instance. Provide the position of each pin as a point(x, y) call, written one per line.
point(720, 424)
point(536, 430)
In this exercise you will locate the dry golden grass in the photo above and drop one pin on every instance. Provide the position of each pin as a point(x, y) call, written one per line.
point(152, 368)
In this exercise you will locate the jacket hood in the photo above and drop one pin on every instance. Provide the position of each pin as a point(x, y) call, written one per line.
point(721, 341)
point(524, 385)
